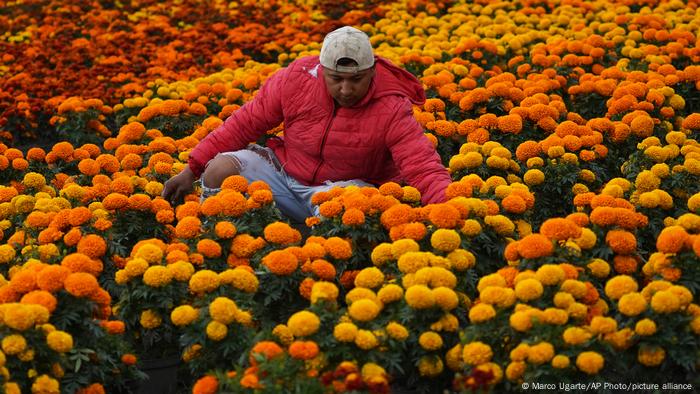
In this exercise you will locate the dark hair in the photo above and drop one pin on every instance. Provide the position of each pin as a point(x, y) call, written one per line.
point(346, 62)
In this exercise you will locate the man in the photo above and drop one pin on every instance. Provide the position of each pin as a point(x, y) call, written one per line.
point(347, 121)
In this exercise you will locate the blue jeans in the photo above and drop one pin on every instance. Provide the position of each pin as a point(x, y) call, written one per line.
point(293, 199)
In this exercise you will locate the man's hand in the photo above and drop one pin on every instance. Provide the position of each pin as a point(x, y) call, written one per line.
point(177, 187)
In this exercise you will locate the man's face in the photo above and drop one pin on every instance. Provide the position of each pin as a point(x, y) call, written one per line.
point(348, 88)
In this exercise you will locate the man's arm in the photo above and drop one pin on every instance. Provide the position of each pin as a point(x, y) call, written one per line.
point(415, 156)
point(244, 126)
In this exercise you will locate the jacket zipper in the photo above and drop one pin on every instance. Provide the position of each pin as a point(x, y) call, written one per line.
point(323, 144)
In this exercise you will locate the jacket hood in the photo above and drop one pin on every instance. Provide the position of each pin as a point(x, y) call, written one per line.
point(389, 80)
point(393, 80)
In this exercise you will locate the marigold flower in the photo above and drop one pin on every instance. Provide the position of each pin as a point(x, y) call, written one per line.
point(267, 349)
point(476, 353)
point(366, 340)
point(188, 227)
point(540, 353)
point(445, 298)
point(81, 284)
point(183, 315)
point(204, 281)
point(419, 297)
point(338, 248)
point(281, 233)
point(303, 350)
point(40, 297)
point(157, 276)
point(206, 385)
point(345, 332)
point(322, 290)
point(370, 277)
point(216, 331)
point(665, 301)
point(280, 262)
point(528, 289)
point(590, 362)
point(59, 341)
point(480, 313)
point(534, 246)
point(303, 323)
point(445, 240)
point(619, 286)
point(150, 319)
point(51, 278)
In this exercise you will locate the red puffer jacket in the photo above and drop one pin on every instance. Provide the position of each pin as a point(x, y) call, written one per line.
point(377, 140)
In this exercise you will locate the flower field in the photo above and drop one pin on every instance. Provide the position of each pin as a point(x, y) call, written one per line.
point(568, 250)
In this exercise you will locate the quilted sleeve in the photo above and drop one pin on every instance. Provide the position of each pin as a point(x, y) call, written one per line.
point(415, 156)
point(245, 125)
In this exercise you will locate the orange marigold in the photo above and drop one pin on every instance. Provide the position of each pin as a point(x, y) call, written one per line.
point(189, 227)
point(338, 248)
point(92, 245)
point(281, 233)
point(621, 241)
point(560, 229)
point(281, 262)
point(671, 239)
point(81, 284)
point(444, 216)
point(209, 248)
point(535, 245)
point(396, 214)
point(303, 350)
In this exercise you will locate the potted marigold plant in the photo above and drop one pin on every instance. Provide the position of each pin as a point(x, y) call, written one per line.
point(151, 290)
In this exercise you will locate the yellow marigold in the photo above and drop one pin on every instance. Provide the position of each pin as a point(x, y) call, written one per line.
point(651, 356)
point(184, 315)
point(550, 274)
point(46, 385)
point(590, 362)
point(515, 370)
point(182, 270)
point(491, 280)
point(240, 278)
point(223, 310)
point(461, 259)
point(150, 319)
point(390, 293)
point(149, 252)
point(216, 331)
point(403, 246)
point(599, 268)
point(445, 298)
point(560, 361)
point(303, 323)
point(397, 331)
point(345, 332)
point(480, 313)
point(204, 281)
point(445, 240)
point(363, 310)
point(665, 301)
point(632, 304)
point(13, 344)
point(619, 286)
point(502, 297)
point(283, 334)
point(471, 227)
point(60, 341)
point(419, 297)
point(157, 276)
point(476, 353)
point(366, 340)
point(381, 254)
point(540, 353)
point(603, 325)
point(430, 341)
point(528, 289)
point(370, 277)
point(555, 316)
point(645, 327)
point(411, 262)
point(576, 335)
point(520, 321)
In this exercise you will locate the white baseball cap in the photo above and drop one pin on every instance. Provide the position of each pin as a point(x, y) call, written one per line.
point(347, 42)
